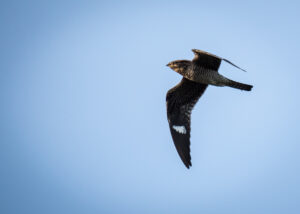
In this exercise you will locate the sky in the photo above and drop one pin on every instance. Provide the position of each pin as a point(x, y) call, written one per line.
point(83, 124)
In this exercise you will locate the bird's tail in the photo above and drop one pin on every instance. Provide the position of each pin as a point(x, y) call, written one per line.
point(238, 85)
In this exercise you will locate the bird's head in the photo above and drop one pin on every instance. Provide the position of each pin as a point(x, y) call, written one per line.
point(180, 66)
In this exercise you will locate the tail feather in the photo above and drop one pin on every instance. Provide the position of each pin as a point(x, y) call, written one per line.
point(238, 85)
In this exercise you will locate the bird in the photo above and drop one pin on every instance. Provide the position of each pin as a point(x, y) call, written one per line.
point(181, 99)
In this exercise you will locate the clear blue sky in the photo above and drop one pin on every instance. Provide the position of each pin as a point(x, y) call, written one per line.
point(83, 120)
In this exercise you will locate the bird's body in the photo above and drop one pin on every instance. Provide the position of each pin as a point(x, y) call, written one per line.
point(197, 75)
point(204, 69)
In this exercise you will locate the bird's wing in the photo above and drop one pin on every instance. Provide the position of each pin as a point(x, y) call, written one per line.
point(180, 101)
point(226, 60)
point(210, 61)
point(206, 60)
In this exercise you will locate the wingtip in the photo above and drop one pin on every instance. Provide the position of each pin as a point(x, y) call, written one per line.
point(242, 69)
point(226, 60)
point(188, 165)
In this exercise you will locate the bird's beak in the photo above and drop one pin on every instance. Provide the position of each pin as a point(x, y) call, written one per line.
point(168, 64)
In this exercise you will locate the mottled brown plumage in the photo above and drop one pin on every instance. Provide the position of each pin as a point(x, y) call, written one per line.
point(197, 75)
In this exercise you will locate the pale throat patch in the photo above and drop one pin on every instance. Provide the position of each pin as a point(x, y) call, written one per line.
point(180, 129)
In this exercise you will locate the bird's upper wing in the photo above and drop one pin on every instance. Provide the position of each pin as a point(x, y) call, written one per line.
point(206, 60)
point(180, 101)
point(210, 61)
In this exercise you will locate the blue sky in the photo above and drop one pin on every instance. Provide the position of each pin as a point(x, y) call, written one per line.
point(83, 119)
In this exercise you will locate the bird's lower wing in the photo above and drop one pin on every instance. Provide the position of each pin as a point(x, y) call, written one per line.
point(180, 101)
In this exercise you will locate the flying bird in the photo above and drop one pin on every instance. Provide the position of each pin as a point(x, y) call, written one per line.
point(197, 75)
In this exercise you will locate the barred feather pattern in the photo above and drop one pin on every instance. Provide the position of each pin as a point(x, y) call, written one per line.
point(204, 75)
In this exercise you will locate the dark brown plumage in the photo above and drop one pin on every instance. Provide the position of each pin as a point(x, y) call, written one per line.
point(197, 75)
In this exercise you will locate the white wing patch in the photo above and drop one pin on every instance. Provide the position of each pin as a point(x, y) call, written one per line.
point(180, 129)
